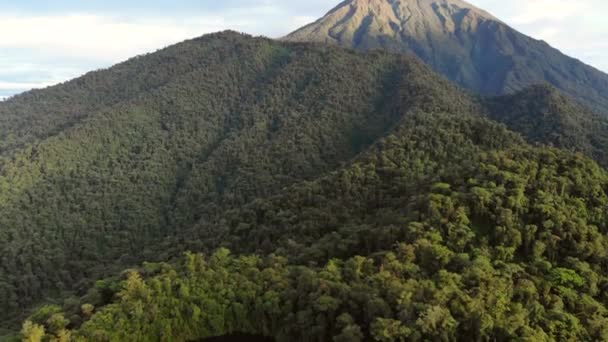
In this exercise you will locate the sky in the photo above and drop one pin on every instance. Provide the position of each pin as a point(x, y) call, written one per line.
point(44, 42)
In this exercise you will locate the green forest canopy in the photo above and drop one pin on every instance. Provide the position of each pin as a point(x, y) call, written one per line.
point(299, 158)
point(397, 246)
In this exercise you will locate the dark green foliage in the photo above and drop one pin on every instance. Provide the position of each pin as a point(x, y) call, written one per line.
point(39, 114)
point(250, 117)
point(437, 232)
point(545, 116)
point(373, 197)
point(238, 338)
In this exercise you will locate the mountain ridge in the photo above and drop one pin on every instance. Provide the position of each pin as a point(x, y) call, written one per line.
point(467, 44)
point(224, 153)
point(254, 115)
point(447, 219)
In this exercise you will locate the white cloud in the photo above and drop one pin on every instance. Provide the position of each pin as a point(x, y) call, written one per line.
point(23, 86)
point(533, 11)
point(99, 37)
point(47, 50)
point(301, 20)
point(111, 38)
point(54, 48)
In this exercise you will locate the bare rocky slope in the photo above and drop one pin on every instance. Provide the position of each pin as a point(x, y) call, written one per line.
point(464, 43)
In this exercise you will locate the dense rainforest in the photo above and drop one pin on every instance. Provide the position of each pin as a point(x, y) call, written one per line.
point(361, 195)
point(437, 232)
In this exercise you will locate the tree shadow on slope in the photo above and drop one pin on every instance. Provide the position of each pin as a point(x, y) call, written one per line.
point(238, 338)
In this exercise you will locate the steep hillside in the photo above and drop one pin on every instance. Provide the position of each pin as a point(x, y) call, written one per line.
point(448, 229)
point(256, 116)
point(544, 115)
point(187, 163)
point(36, 115)
point(468, 45)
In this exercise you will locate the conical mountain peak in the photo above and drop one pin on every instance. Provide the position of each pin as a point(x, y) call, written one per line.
point(466, 44)
point(416, 7)
point(352, 20)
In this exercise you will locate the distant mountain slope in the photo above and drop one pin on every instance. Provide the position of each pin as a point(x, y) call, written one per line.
point(39, 114)
point(544, 115)
point(468, 45)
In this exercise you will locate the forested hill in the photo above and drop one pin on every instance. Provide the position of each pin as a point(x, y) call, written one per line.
point(544, 115)
point(254, 116)
point(448, 229)
point(189, 148)
point(39, 114)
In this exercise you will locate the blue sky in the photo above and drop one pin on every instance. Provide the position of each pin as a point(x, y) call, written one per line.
point(44, 42)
